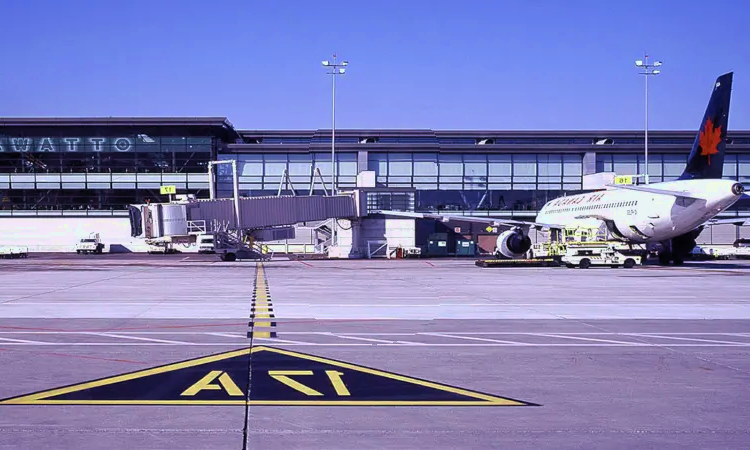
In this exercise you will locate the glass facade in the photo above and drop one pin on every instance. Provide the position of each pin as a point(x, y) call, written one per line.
point(54, 174)
point(667, 167)
point(262, 173)
point(488, 183)
point(99, 166)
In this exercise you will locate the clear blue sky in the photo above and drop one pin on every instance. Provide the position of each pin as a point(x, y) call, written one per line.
point(496, 64)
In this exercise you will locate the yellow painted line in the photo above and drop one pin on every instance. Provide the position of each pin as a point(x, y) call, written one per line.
point(489, 398)
point(130, 376)
point(262, 307)
point(499, 402)
point(42, 398)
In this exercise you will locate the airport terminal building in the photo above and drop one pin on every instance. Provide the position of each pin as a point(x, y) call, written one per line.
point(95, 167)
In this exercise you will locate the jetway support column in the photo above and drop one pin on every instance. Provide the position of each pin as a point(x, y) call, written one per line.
point(235, 187)
point(349, 243)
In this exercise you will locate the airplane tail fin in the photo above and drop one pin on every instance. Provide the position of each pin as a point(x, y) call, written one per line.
point(706, 158)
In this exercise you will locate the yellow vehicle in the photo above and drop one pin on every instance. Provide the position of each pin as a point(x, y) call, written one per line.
point(584, 234)
point(546, 250)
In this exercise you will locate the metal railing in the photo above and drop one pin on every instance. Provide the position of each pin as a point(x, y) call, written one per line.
point(196, 226)
point(63, 213)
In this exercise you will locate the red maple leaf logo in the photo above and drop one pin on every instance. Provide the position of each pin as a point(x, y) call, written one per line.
point(709, 140)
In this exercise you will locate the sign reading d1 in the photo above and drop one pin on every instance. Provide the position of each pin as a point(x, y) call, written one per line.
point(167, 190)
point(624, 179)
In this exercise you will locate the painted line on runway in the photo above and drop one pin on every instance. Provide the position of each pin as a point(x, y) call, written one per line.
point(364, 344)
point(372, 340)
point(204, 325)
point(287, 341)
point(685, 338)
point(24, 341)
point(138, 338)
point(378, 305)
point(358, 338)
point(499, 333)
point(28, 328)
point(580, 338)
point(262, 323)
point(241, 336)
point(474, 338)
point(452, 333)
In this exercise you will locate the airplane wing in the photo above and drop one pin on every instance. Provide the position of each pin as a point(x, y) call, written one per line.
point(492, 221)
point(654, 191)
point(742, 221)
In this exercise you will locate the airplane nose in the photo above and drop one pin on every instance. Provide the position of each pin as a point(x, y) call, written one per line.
point(738, 189)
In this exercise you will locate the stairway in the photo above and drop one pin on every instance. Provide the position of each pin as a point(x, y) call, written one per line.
point(231, 242)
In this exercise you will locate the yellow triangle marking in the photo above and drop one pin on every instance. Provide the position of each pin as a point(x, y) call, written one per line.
point(393, 376)
point(43, 397)
point(32, 398)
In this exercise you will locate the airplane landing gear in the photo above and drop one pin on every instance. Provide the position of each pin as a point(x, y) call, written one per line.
point(665, 257)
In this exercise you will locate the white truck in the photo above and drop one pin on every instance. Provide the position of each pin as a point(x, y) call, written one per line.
point(90, 244)
point(14, 252)
point(206, 243)
point(585, 255)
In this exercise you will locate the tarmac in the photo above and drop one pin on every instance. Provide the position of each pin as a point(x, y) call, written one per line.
point(365, 354)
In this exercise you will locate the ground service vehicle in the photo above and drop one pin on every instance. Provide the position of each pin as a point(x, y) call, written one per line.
point(14, 252)
point(90, 244)
point(586, 255)
point(206, 243)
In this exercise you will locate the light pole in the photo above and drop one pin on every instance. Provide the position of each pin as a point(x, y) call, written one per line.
point(647, 71)
point(336, 69)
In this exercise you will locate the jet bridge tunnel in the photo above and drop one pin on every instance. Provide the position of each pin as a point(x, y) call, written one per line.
point(189, 216)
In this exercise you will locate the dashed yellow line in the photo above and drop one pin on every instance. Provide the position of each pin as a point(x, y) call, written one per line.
point(262, 308)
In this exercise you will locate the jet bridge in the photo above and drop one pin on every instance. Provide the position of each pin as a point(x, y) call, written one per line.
point(237, 222)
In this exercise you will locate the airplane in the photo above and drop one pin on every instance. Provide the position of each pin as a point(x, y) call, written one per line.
point(669, 215)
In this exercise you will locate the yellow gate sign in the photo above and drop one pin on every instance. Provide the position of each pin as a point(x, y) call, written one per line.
point(167, 190)
point(624, 179)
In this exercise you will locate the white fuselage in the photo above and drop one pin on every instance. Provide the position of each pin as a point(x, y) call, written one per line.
point(644, 216)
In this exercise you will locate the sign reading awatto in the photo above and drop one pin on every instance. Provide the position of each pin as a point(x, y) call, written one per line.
point(67, 144)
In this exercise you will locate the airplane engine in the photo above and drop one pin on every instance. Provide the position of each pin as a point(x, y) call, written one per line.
point(512, 243)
